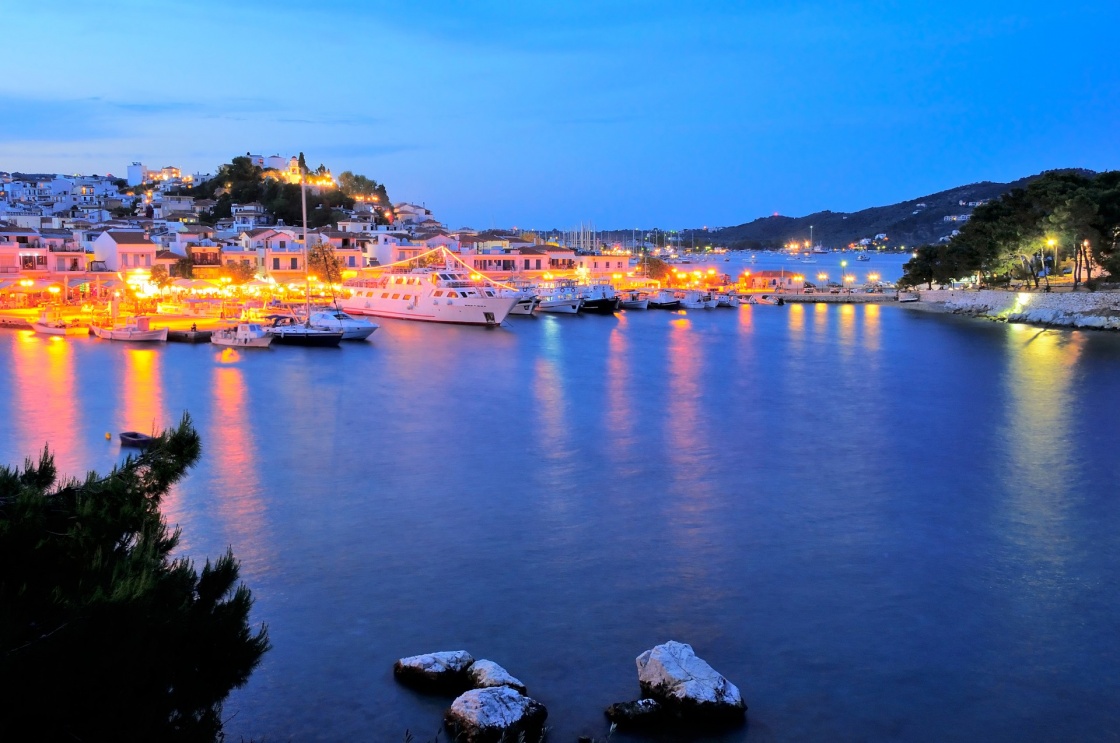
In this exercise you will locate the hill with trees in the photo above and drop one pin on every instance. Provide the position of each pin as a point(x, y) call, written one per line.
point(1061, 220)
point(242, 182)
point(907, 223)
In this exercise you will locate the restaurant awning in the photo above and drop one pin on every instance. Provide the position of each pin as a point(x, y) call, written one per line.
point(33, 286)
point(76, 282)
point(5, 283)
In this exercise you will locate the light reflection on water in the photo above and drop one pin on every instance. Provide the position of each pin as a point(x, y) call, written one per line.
point(863, 516)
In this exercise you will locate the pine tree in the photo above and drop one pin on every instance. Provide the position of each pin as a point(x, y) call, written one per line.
point(103, 636)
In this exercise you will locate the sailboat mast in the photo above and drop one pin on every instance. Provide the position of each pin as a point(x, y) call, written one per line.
point(306, 248)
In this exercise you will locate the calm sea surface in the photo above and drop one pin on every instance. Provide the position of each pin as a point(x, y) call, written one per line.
point(881, 524)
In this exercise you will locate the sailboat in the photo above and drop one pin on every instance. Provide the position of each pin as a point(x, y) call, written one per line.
point(286, 330)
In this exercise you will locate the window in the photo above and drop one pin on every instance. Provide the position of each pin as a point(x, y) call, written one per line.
point(350, 262)
point(124, 259)
point(526, 263)
point(282, 244)
point(147, 261)
point(439, 293)
point(295, 263)
point(538, 264)
point(396, 296)
point(452, 294)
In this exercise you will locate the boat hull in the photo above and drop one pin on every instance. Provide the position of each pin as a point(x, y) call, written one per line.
point(304, 337)
point(264, 342)
point(635, 304)
point(559, 306)
point(59, 330)
point(136, 440)
point(601, 306)
point(524, 307)
point(491, 311)
point(134, 336)
point(674, 304)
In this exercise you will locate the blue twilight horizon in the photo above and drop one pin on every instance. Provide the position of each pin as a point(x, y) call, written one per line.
point(619, 112)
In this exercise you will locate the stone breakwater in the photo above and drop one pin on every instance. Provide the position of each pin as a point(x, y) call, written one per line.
point(1067, 309)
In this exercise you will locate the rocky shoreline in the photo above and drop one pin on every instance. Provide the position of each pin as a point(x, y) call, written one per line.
point(677, 689)
point(1097, 310)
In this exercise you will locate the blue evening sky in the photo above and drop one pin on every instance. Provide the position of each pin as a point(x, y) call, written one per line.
point(620, 112)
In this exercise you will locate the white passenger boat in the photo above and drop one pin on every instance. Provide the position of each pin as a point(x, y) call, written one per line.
point(710, 300)
point(136, 331)
point(245, 335)
point(353, 328)
point(449, 294)
point(559, 296)
point(727, 299)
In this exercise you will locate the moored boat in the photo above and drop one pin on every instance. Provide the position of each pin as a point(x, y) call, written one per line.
point(136, 440)
point(447, 294)
point(599, 297)
point(635, 300)
point(560, 297)
point(664, 299)
point(137, 331)
point(245, 335)
point(727, 299)
point(691, 299)
point(353, 328)
point(287, 330)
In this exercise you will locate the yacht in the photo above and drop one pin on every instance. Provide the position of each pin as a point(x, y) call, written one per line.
point(862, 257)
point(727, 299)
point(429, 295)
point(287, 330)
point(353, 328)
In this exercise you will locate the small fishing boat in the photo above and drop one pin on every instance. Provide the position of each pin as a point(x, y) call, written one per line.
point(635, 300)
point(727, 299)
point(58, 327)
point(664, 299)
point(691, 299)
point(136, 440)
point(136, 331)
point(245, 335)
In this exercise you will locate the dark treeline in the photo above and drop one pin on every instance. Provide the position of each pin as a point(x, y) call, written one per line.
point(1062, 222)
point(104, 633)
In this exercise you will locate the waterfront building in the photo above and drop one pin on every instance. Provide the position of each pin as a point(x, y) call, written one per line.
point(122, 250)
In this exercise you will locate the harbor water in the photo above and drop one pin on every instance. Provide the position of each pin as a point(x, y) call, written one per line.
point(880, 524)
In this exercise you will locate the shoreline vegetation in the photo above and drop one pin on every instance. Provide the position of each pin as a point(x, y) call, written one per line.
point(103, 634)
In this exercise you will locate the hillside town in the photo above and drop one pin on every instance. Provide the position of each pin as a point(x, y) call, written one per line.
point(82, 234)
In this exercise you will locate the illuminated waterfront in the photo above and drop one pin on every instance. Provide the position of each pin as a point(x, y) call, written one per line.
point(877, 523)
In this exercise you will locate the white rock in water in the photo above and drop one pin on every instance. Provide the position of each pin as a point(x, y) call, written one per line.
point(485, 715)
point(676, 677)
point(447, 668)
point(485, 674)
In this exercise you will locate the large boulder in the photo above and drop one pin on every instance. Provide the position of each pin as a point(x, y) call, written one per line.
point(686, 685)
point(442, 671)
point(486, 674)
point(489, 715)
